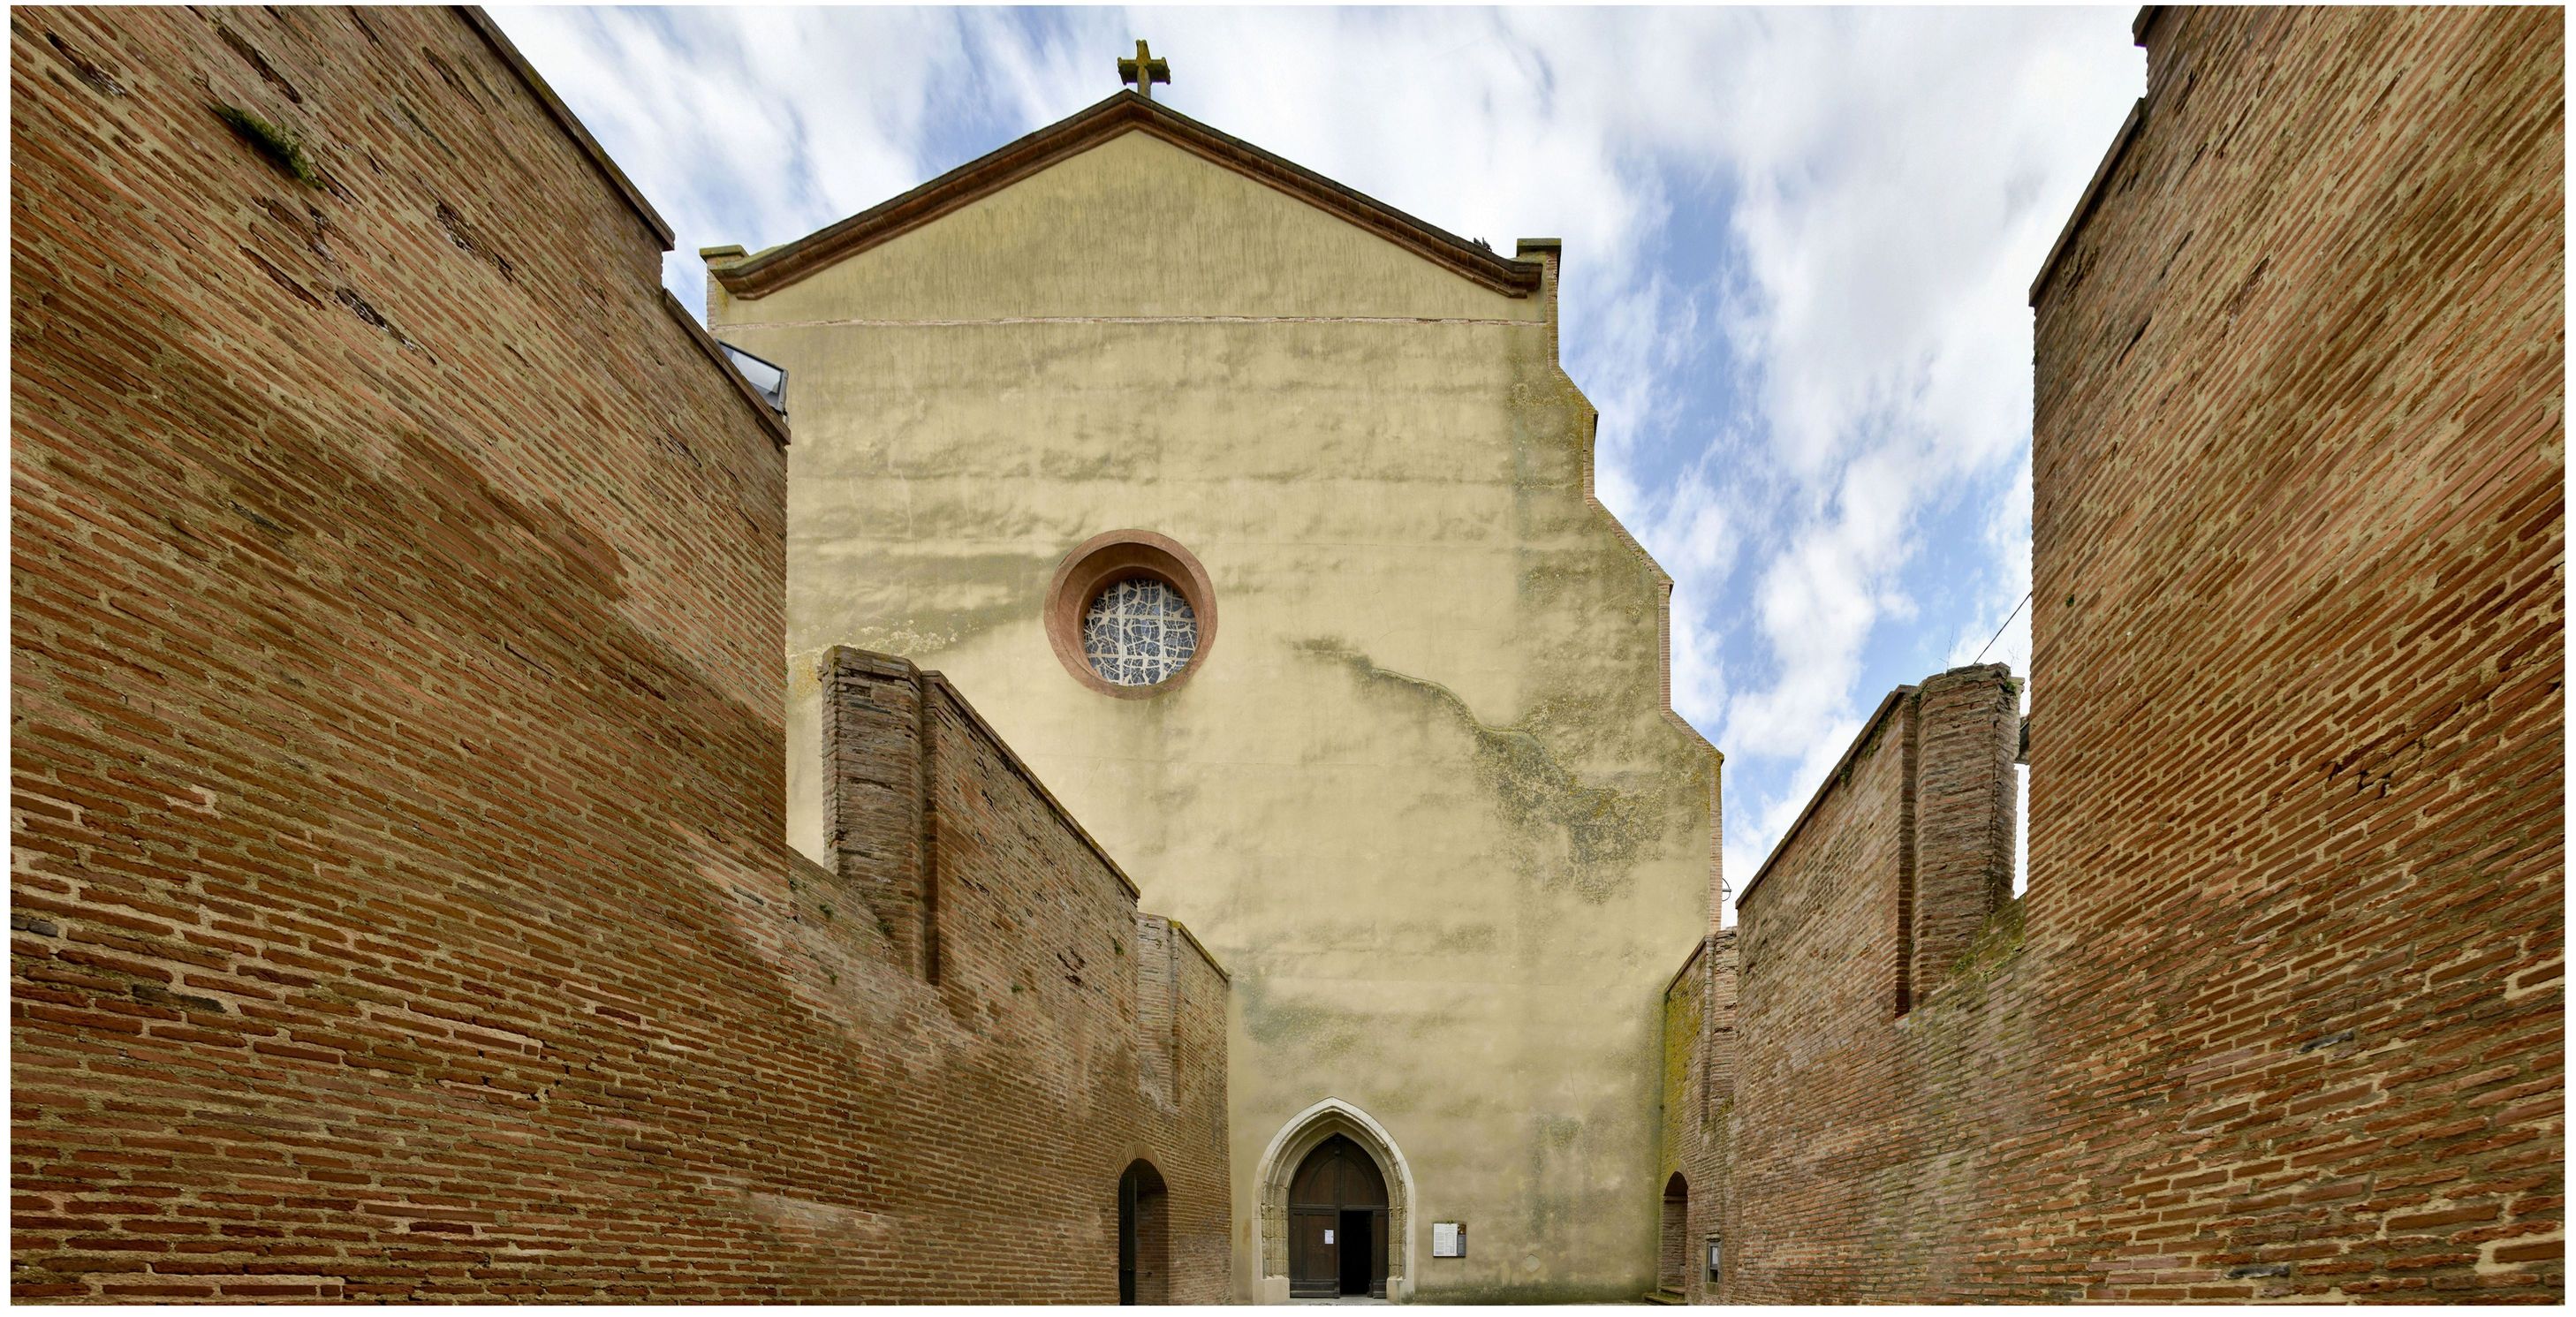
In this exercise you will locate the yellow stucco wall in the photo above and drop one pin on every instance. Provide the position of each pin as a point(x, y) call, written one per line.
point(1421, 799)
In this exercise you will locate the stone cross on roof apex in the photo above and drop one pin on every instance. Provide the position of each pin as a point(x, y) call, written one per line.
point(1144, 71)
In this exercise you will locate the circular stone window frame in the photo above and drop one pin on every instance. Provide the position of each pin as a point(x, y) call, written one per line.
point(1104, 560)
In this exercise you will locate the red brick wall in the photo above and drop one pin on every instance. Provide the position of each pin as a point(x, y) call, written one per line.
point(1964, 729)
point(1065, 1036)
point(2296, 864)
point(1699, 1090)
point(1860, 1116)
point(400, 902)
point(2285, 1020)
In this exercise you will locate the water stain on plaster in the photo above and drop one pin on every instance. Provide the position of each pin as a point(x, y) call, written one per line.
point(1574, 835)
point(1473, 939)
point(1318, 1030)
point(1552, 1209)
point(1007, 588)
point(917, 645)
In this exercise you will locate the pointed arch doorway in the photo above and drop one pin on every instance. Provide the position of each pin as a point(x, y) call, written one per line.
point(1144, 1236)
point(1337, 1205)
point(1330, 1159)
point(1672, 1259)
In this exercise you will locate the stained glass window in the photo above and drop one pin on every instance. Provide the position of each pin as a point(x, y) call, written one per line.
point(1138, 632)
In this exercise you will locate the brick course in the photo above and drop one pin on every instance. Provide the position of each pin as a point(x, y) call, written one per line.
point(1027, 1023)
point(2281, 1018)
point(1862, 1110)
point(1700, 1015)
point(400, 905)
point(2297, 762)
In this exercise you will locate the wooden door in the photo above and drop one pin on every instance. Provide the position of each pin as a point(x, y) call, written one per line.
point(1144, 1235)
point(1336, 1209)
point(1377, 1253)
point(1314, 1253)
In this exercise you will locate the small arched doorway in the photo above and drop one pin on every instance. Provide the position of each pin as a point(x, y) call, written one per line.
point(1337, 1219)
point(1298, 1138)
point(1672, 1260)
point(1144, 1236)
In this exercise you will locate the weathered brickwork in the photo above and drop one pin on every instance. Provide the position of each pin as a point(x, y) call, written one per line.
point(2282, 1016)
point(1861, 1111)
point(1700, 1011)
point(400, 899)
point(1026, 1023)
point(2297, 768)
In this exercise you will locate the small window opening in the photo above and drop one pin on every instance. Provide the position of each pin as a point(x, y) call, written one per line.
point(766, 378)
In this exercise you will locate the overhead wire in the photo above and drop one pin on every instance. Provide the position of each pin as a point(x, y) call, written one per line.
point(1999, 631)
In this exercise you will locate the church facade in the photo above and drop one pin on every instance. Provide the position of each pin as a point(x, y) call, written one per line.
point(1257, 516)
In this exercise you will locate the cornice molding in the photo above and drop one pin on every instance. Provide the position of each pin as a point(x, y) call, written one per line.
point(1126, 112)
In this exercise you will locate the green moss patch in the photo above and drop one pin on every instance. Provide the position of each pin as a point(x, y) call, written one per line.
point(282, 148)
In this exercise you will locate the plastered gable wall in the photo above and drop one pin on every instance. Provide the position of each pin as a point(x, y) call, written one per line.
point(1423, 798)
point(1136, 226)
point(400, 905)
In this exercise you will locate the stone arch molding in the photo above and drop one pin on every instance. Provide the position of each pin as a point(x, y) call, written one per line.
point(1302, 1134)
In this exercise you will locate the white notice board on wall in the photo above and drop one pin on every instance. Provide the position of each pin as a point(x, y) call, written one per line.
point(1448, 1239)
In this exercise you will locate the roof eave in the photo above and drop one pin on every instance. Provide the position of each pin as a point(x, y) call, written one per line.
point(778, 267)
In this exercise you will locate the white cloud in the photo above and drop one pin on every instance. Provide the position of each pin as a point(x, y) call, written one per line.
point(1898, 177)
point(1767, 820)
point(2000, 630)
point(757, 125)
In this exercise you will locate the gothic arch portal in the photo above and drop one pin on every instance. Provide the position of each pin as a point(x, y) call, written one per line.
point(1144, 1236)
point(1302, 1134)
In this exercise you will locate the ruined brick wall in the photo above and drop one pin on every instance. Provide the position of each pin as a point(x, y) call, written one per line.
point(400, 904)
point(1051, 1036)
point(1868, 1024)
point(2281, 1017)
point(1699, 1090)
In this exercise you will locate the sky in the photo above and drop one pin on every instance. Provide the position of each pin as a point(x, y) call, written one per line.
point(1798, 249)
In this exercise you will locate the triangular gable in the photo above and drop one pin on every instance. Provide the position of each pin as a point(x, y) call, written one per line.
point(1123, 113)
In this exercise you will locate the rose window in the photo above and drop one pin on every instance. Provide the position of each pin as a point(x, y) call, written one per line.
point(1138, 632)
